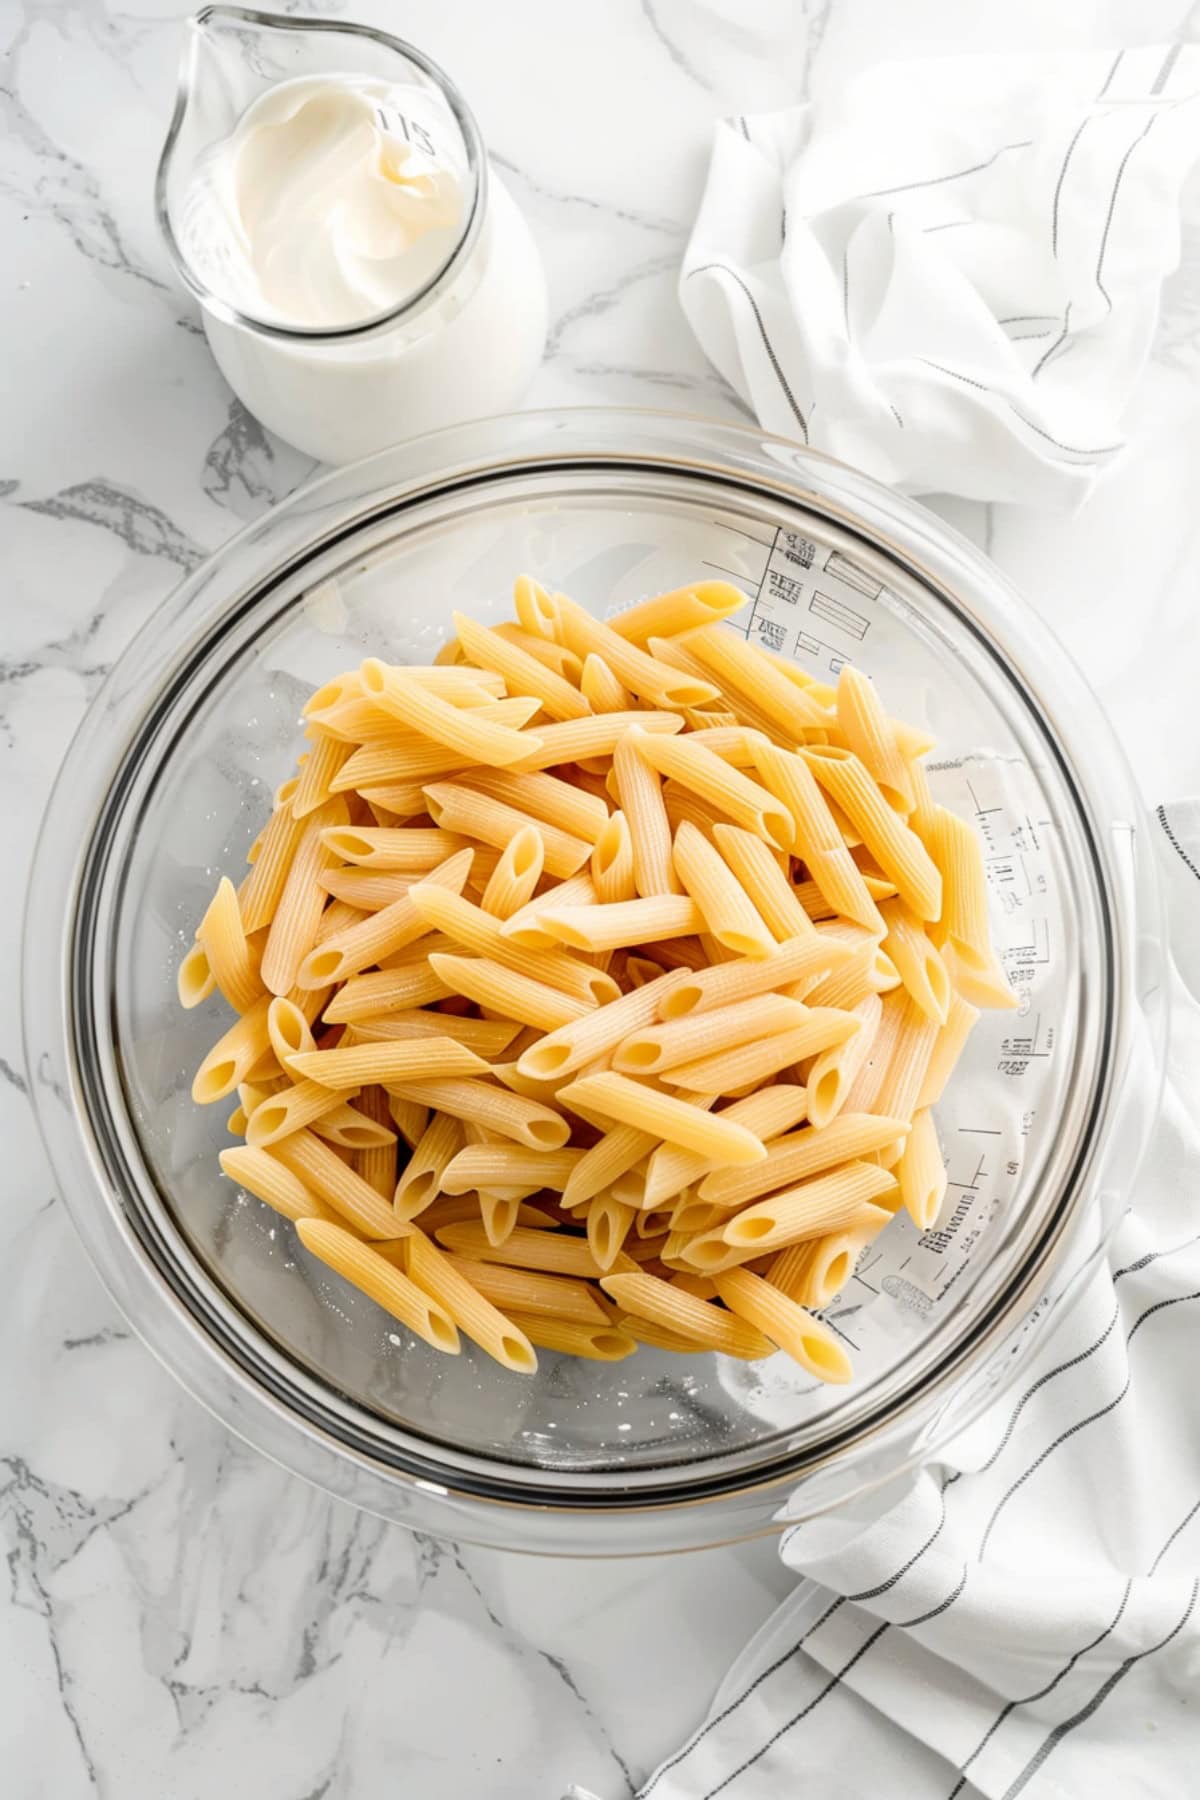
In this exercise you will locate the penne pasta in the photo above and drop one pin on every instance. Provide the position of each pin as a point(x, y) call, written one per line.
point(767, 887)
point(725, 907)
point(508, 1165)
point(766, 1113)
point(547, 1251)
point(624, 922)
point(231, 958)
point(961, 1019)
point(529, 1293)
point(475, 930)
point(817, 837)
point(289, 1111)
point(704, 1325)
point(735, 795)
point(642, 674)
point(524, 674)
point(905, 1072)
point(512, 882)
point(658, 1048)
point(420, 1182)
point(513, 996)
point(899, 852)
point(545, 799)
point(744, 1065)
point(380, 1280)
point(195, 981)
point(267, 1179)
point(799, 962)
point(600, 687)
point(680, 610)
point(301, 901)
point(824, 1204)
point(800, 1155)
point(375, 1162)
point(395, 691)
point(833, 1072)
point(401, 1059)
point(916, 960)
point(474, 815)
point(514, 1116)
point(639, 796)
point(322, 1170)
point(922, 1173)
point(630, 1103)
point(550, 654)
point(380, 934)
point(865, 728)
point(612, 865)
point(577, 740)
point(745, 674)
point(596, 1343)
point(807, 1340)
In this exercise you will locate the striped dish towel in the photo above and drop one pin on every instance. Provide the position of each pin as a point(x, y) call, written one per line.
point(947, 273)
point(1022, 1617)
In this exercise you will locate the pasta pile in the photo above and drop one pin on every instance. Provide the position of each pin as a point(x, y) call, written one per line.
point(654, 951)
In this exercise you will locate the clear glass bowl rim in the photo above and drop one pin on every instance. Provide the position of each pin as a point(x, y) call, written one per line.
point(427, 1493)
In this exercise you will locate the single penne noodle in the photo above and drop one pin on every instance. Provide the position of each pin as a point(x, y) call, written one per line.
point(869, 970)
point(550, 654)
point(406, 850)
point(380, 934)
point(649, 679)
point(508, 1165)
point(487, 1037)
point(420, 1182)
point(819, 1268)
point(981, 987)
point(824, 1204)
point(743, 671)
point(322, 1170)
point(766, 1113)
point(231, 958)
point(725, 907)
point(897, 849)
point(401, 1059)
point(267, 1179)
point(288, 1030)
point(567, 1049)
point(744, 1065)
point(396, 692)
point(476, 930)
point(768, 888)
point(625, 922)
point(523, 927)
point(705, 1325)
point(807, 1340)
point(346, 1125)
point(546, 799)
point(536, 610)
point(438, 1276)
point(657, 1048)
point(289, 1111)
point(195, 980)
point(364, 889)
point(865, 729)
point(523, 673)
point(630, 1103)
point(956, 850)
point(905, 1073)
point(375, 1162)
point(595, 1343)
point(961, 1019)
point(612, 862)
point(277, 843)
point(685, 808)
point(410, 1118)
point(488, 983)
point(743, 801)
point(600, 687)
point(800, 960)
point(732, 743)
point(916, 959)
point(234, 1055)
point(639, 796)
point(512, 1078)
point(608, 1222)
point(683, 609)
point(578, 740)
point(545, 1251)
point(499, 1208)
point(817, 838)
point(384, 991)
point(833, 1072)
point(922, 1173)
point(326, 758)
point(474, 815)
point(514, 1116)
point(801, 1154)
point(617, 1151)
point(298, 910)
point(512, 882)
point(381, 1281)
point(529, 1292)
point(401, 757)
point(863, 1092)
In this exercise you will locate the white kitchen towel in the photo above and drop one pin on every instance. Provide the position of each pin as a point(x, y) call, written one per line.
point(1022, 1616)
point(947, 273)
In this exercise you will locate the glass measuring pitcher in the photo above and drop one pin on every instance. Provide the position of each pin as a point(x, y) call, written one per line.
point(464, 332)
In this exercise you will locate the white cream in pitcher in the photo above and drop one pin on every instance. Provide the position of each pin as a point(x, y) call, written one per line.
point(373, 279)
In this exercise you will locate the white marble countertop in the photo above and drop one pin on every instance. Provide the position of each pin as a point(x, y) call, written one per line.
point(182, 1620)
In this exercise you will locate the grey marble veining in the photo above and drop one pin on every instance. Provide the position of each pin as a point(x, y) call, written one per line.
point(181, 1619)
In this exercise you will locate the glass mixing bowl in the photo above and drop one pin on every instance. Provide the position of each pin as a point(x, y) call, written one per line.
point(169, 780)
